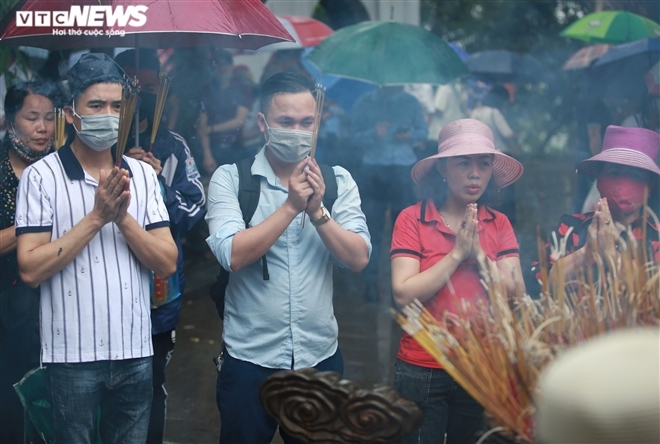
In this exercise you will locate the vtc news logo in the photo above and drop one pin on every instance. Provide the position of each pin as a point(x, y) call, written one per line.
point(84, 16)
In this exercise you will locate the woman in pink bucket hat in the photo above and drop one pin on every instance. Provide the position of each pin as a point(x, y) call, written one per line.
point(627, 176)
point(435, 246)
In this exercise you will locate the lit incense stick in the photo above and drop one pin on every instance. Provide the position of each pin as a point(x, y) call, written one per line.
point(320, 98)
point(60, 122)
point(128, 102)
point(163, 88)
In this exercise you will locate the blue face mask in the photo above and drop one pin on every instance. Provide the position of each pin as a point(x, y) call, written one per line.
point(289, 145)
point(99, 132)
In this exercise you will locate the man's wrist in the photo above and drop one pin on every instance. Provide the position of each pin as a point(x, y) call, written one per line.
point(323, 218)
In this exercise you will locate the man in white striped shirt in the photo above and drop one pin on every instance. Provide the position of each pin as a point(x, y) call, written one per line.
point(89, 232)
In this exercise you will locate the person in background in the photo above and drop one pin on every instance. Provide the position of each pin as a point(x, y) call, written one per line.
point(183, 194)
point(88, 233)
point(223, 110)
point(648, 115)
point(15, 70)
point(489, 111)
point(592, 116)
point(388, 125)
point(278, 303)
point(626, 172)
point(30, 120)
point(447, 107)
point(436, 246)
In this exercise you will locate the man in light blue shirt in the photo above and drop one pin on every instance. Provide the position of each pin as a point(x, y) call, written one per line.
point(287, 320)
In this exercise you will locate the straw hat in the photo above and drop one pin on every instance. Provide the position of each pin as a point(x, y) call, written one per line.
point(465, 137)
point(604, 391)
point(636, 147)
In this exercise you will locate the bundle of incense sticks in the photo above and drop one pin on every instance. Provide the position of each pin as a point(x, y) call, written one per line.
point(163, 88)
point(497, 350)
point(60, 123)
point(320, 98)
point(129, 99)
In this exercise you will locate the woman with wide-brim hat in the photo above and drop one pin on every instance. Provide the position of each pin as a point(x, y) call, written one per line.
point(435, 246)
point(627, 177)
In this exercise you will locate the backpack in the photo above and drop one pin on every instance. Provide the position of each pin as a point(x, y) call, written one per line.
point(249, 188)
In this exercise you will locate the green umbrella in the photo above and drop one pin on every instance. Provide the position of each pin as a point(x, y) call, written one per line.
point(387, 53)
point(612, 27)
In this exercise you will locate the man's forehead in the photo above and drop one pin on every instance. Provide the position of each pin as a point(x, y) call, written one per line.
point(102, 91)
point(293, 103)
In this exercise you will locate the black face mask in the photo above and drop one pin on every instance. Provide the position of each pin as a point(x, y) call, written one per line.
point(148, 106)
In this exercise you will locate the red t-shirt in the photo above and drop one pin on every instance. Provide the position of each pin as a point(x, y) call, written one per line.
point(428, 240)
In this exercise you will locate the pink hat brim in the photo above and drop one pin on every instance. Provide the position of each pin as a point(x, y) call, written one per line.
point(506, 169)
point(619, 156)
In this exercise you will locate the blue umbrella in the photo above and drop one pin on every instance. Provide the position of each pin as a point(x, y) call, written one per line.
point(341, 90)
point(463, 54)
point(501, 65)
point(620, 72)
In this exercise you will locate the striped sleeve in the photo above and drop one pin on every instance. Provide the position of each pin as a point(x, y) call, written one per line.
point(406, 240)
point(34, 213)
point(156, 211)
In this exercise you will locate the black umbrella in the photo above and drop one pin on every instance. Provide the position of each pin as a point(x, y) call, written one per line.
point(501, 65)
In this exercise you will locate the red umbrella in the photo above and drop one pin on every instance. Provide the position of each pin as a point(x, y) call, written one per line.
point(306, 31)
point(55, 24)
point(586, 56)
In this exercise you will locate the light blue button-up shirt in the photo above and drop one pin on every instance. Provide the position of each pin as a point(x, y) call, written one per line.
point(290, 316)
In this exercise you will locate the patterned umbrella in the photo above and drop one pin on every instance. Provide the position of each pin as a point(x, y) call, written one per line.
point(612, 27)
point(586, 56)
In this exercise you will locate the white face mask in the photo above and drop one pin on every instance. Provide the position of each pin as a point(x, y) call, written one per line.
point(289, 145)
point(99, 132)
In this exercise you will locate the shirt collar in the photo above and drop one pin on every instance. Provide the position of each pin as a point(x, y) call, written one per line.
point(431, 214)
point(72, 167)
point(261, 167)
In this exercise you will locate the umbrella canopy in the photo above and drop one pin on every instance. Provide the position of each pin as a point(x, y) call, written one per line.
point(306, 31)
point(344, 92)
point(621, 72)
point(501, 65)
point(246, 24)
point(586, 56)
point(612, 27)
point(387, 53)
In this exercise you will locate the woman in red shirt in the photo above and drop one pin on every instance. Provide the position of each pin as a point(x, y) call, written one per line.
point(435, 245)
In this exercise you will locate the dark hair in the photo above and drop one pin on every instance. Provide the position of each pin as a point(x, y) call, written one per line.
point(432, 186)
point(16, 96)
point(93, 68)
point(147, 59)
point(496, 97)
point(284, 82)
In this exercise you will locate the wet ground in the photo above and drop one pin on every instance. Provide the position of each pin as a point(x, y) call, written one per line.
point(368, 336)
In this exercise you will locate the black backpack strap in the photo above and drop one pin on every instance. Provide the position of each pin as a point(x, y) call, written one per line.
point(330, 180)
point(249, 188)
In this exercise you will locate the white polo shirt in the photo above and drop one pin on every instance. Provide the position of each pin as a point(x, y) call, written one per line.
point(97, 307)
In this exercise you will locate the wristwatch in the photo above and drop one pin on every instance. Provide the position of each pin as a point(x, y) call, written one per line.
point(325, 216)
